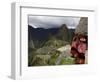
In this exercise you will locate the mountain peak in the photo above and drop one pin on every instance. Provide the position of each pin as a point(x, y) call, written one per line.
point(64, 26)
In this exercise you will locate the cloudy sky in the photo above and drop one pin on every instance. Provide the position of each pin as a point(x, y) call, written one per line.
point(52, 21)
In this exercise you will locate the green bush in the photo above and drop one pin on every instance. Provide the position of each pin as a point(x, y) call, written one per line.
point(67, 60)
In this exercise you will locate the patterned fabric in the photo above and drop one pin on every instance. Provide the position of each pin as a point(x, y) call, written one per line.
point(78, 45)
point(82, 47)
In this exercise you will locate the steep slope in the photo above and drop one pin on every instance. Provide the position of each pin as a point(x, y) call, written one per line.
point(63, 33)
point(82, 27)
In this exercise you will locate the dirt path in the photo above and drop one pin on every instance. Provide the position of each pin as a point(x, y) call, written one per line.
point(65, 53)
point(64, 48)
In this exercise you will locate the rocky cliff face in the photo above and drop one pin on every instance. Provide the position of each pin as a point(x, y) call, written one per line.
point(82, 27)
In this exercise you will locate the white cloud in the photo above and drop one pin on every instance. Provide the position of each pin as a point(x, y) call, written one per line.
point(53, 21)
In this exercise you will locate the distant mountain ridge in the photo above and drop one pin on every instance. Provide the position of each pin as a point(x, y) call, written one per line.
point(38, 36)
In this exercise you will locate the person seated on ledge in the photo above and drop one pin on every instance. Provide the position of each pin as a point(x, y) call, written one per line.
point(78, 48)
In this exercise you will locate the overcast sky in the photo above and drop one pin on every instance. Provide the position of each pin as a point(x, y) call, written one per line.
point(52, 21)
